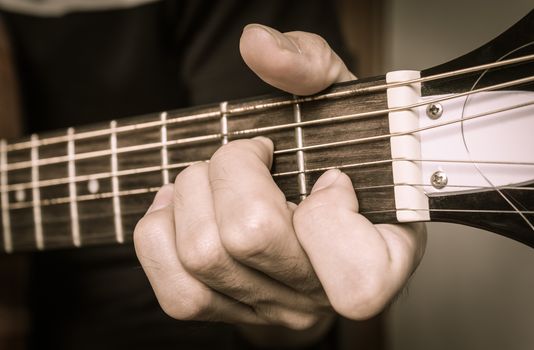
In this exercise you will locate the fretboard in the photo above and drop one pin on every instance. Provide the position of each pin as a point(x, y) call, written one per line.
point(90, 185)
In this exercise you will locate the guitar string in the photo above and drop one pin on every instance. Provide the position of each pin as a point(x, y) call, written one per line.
point(106, 237)
point(133, 192)
point(68, 239)
point(375, 113)
point(125, 172)
point(103, 195)
point(464, 140)
point(471, 211)
point(216, 137)
point(376, 88)
point(66, 218)
point(159, 168)
point(462, 186)
point(371, 212)
point(474, 211)
point(386, 161)
point(413, 131)
point(108, 195)
point(27, 243)
point(265, 106)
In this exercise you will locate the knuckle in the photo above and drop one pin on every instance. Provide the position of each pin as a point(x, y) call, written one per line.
point(192, 307)
point(146, 230)
point(319, 39)
point(201, 254)
point(254, 232)
point(140, 230)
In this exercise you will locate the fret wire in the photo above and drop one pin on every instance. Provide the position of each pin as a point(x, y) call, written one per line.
point(224, 122)
point(301, 166)
point(196, 139)
point(348, 92)
point(164, 155)
point(36, 194)
point(6, 220)
point(74, 219)
point(115, 184)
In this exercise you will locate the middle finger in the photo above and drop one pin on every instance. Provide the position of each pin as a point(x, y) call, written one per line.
point(253, 216)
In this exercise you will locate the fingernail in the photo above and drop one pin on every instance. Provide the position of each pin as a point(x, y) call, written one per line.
point(282, 41)
point(327, 179)
point(162, 199)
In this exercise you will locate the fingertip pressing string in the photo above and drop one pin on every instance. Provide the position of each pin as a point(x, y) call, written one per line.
point(326, 180)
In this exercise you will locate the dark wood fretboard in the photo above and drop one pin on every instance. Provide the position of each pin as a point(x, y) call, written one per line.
point(90, 185)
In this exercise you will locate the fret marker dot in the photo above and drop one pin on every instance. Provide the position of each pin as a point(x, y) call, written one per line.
point(93, 186)
point(20, 195)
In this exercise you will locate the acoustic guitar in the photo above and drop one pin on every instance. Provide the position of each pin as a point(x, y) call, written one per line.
point(452, 143)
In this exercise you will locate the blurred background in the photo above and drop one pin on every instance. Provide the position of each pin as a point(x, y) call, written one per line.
point(473, 289)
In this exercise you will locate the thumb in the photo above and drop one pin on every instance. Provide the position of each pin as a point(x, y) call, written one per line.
point(297, 62)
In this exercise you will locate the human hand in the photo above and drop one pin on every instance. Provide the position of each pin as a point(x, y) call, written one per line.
point(223, 244)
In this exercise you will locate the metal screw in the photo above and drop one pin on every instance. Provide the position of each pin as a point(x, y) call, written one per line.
point(439, 180)
point(434, 110)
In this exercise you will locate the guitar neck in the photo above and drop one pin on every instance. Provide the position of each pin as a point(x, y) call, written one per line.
point(90, 185)
point(451, 143)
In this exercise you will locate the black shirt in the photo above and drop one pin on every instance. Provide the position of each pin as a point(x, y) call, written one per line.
point(89, 66)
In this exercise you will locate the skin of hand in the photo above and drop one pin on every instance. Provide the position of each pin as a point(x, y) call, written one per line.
point(222, 243)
